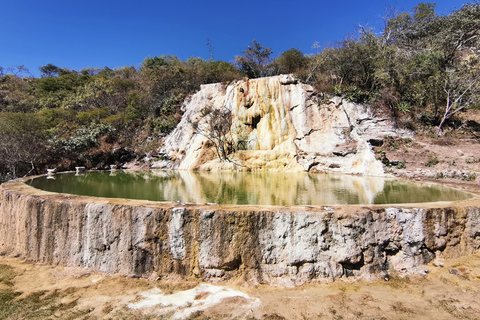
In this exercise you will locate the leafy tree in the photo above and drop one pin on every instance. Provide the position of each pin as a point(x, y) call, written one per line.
point(49, 70)
point(411, 31)
point(290, 61)
point(462, 87)
point(255, 61)
point(351, 61)
point(15, 95)
point(22, 143)
point(459, 31)
point(221, 71)
point(61, 91)
point(83, 139)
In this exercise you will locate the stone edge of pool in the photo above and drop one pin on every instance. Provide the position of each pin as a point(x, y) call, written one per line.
point(261, 244)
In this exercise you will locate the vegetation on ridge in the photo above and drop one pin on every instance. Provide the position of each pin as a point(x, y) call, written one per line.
point(422, 70)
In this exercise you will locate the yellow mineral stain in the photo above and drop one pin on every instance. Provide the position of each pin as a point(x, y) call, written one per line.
point(262, 123)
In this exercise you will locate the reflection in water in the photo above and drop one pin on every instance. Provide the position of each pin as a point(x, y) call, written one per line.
point(247, 188)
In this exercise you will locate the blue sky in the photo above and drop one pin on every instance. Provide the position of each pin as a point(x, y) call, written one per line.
point(84, 33)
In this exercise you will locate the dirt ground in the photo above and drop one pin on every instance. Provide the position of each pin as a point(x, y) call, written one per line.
point(428, 155)
point(451, 290)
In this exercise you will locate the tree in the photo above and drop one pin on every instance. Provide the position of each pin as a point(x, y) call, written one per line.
point(210, 48)
point(412, 31)
point(459, 31)
point(352, 62)
point(49, 70)
point(462, 88)
point(155, 62)
point(220, 71)
point(14, 94)
point(290, 61)
point(255, 61)
point(21, 143)
point(215, 125)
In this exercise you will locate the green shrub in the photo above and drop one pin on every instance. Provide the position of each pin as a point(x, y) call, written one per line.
point(401, 164)
point(382, 157)
point(84, 138)
point(352, 93)
point(432, 161)
point(92, 115)
point(404, 107)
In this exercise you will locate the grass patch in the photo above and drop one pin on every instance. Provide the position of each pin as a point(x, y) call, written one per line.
point(7, 273)
point(126, 314)
point(7, 303)
point(37, 305)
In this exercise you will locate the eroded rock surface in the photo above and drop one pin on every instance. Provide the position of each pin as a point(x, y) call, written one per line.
point(287, 246)
point(281, 125)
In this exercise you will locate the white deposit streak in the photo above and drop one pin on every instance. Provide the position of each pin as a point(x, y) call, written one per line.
point(208, 296)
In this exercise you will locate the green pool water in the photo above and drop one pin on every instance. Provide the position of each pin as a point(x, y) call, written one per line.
point(247, 188)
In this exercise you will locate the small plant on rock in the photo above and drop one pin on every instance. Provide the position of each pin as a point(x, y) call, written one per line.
point(433, 161)
point(401, 164)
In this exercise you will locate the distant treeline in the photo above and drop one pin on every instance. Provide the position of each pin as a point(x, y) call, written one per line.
point(421, 70)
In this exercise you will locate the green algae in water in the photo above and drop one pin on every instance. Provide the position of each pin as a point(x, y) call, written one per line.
point(247, 188)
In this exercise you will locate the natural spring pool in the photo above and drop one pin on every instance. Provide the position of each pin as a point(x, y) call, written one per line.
point(247, 188)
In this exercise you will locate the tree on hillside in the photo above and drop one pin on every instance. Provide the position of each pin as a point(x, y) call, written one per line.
point(49, 70)
point(14, 95)
point(290, 61)
point(22, 143)
point(351, 62)
point(255, 61)
point(462, 88)
point(459, 31)
point(220, 71)
point(411, 31)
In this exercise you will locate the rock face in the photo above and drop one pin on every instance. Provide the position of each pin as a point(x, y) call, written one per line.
point(281, 125)
point(275, 245)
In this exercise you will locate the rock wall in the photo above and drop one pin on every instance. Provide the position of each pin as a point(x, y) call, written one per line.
point(282, 125)
point(275, 245)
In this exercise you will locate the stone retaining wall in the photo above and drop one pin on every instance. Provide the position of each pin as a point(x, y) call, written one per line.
point(260, 244)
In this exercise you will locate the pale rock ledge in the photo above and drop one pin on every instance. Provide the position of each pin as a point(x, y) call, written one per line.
point(283, 126)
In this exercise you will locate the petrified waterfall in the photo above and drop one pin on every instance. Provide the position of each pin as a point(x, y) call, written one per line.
point(284, 126)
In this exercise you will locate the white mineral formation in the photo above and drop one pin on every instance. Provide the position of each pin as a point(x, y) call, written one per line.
point(184, 303)
point(280, 125)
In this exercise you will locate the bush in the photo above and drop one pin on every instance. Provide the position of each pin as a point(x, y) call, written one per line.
point(432, 161)
point(352, 93)
point(83, 139)
point(92, 115)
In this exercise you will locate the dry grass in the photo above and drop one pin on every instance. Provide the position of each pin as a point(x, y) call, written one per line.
point(42, 292)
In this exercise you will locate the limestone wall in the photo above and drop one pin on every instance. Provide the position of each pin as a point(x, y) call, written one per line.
point(282, 125)
point(261, 245)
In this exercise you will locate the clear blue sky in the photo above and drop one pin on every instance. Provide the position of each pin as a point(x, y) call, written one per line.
point(95, 33)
